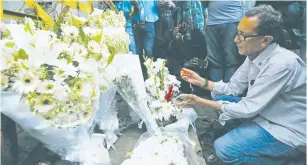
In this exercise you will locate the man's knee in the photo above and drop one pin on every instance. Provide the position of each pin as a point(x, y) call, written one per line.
point(225, 151)
point(220, 147)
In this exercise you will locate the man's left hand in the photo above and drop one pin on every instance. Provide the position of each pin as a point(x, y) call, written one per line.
point(185, 100)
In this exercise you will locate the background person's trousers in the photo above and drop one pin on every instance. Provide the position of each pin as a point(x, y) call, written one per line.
point(224, 58)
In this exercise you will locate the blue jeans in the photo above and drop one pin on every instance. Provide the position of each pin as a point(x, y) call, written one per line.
point(222, 51)
point(250, 144)
point(132, 47)
point(144, 38)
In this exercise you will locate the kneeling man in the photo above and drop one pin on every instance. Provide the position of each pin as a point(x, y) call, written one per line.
point(274, 109)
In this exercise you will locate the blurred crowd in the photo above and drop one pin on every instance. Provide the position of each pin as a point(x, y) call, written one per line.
point(200, 34)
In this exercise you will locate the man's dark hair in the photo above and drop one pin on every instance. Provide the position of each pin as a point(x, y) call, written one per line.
point(270, 20)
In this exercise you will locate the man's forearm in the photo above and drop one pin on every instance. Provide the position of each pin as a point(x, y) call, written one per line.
point(208, 103)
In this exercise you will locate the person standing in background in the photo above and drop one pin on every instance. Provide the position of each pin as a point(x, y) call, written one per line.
point(223, 18)
point(126, 7)
point(190, 10)
point(144, 25)
point(166, 22)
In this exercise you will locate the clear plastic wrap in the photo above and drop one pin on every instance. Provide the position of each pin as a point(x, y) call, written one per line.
point(130, 84)
point(186, 118)
point(189, 156)
point(106, 117)
point(72, 143)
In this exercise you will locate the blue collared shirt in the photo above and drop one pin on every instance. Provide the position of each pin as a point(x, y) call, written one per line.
point(148, 11)
point(276, 97)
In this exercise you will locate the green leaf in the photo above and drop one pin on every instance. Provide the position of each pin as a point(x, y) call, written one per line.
point(10, 44)
point(22, 55)
point(84, 38)
point(110, 59)
point(27, 28)
point(57, 26)
point(98, 37)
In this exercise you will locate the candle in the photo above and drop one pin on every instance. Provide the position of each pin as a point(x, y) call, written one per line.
point(169, 93)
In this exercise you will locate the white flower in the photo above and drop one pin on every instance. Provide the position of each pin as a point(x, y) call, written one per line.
point(6, 62)
point(152, 84)
point(62, 91)
point(91, 32)
point(68, 69)
point(160, 150)
point(94, 47)
point(79, 51)
point(46, 87)
point(44, 103)
point(26, 82)
point(161, 110)
point(105, 51)
point(4, 81)
point(86, 90)
point(70, 32)
point(88, 65)
point(83, 89)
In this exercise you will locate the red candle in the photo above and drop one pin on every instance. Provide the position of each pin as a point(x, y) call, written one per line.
point(169, 93)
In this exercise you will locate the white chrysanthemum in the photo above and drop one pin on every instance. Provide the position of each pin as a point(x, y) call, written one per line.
point(78, 50)
point(4, 81)
point(88, 65)
point(62, 91)
point(87, 90)
point(161, 110)
point(70, 32)
point(6, 62)
point(105, 51)
point(44, 103)
point(26, 82)
point(160, 150)
point(46, 87)
point(94, 47)
point(83, 89)
point(68, 69)
point(91, 32)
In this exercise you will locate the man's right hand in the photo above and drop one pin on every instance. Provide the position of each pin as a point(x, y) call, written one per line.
point(191, 77)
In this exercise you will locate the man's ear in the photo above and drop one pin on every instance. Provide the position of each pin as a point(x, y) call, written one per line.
point(267, 41)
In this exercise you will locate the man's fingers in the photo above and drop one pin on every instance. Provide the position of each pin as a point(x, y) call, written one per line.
point(185, 78)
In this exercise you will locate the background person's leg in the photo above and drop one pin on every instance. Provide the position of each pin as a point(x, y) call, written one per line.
point(149, 38)
point(214, 47)
point(231, 56)
point(250, 144)
point(132, 47)
point(139, 39)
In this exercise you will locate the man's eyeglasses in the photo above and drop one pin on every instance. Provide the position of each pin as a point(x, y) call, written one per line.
point(242, 37)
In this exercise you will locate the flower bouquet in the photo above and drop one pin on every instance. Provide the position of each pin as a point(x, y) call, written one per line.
point(161, 86)
point(50, 87)
point(104, 36)
point(171, 148)
point(130, 84)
